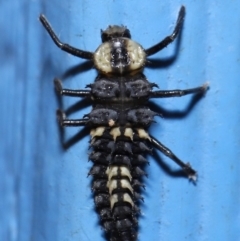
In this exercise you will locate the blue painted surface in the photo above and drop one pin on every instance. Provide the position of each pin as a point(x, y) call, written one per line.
point(45, 192)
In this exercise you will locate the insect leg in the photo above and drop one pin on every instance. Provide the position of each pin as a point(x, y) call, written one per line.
point(169, 39)
point(185, 166)
point(178, 93)
point(69, 122)
point(68, 92)
point(69, 49)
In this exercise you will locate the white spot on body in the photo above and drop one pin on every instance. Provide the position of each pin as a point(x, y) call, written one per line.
point(128, 199)
point(115, 132)
point(112, 185)
point(111, 122)
point(97, 132)
point(143, 134)
point(126, 184)
point(113, 200)
point(129, 133)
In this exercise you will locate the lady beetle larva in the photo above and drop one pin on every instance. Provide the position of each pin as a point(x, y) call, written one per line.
point(118, 121)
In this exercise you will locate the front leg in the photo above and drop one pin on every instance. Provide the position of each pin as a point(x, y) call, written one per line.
point(178, 93)
point(169, 39)
point(191, 173)
point(69, 92)
point(66, 47)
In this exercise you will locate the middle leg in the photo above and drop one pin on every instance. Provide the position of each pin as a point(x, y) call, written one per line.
point(178, 93)
point(69, 122)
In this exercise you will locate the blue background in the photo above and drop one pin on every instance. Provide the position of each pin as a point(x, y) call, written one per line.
point(45, 192)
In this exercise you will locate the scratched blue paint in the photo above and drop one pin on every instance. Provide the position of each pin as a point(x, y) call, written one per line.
point(45, 194)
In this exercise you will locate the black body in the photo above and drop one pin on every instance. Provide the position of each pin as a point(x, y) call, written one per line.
point(119, 119)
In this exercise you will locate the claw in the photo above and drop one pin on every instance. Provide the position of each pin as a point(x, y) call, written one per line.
point(58, 86)
point(61, 116)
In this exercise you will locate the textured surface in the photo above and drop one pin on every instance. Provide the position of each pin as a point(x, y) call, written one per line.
point(45, 192)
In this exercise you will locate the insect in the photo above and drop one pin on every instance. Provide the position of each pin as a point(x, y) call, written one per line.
point(118, 121)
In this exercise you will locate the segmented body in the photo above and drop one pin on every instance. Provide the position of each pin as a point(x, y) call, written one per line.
point(119, 143)
point(118, 122)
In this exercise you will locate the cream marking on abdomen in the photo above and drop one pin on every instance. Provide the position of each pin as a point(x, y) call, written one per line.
point(117, 184)
point(112, 171)
point(97, 132)
point(119, 178)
